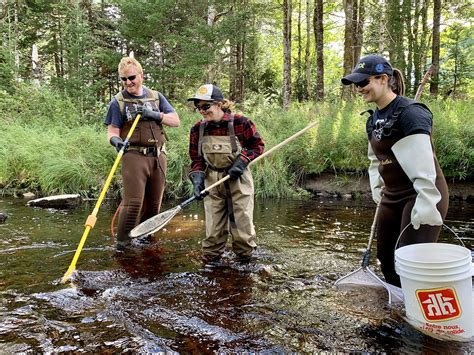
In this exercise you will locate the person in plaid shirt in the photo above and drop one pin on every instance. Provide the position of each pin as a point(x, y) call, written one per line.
point(224, 143)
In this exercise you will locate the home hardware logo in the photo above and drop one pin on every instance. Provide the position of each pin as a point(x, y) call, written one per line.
point(439, 304)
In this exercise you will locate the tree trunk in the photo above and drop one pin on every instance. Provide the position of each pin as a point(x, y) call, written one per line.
point(307, 51)
point(407, 19)
point(417, 65)
point(287, 10)
point(425, 36)
point(359, 17)
point(319, 43)
point(299, 86)
point(239, 72)
point(434, 86)
point(395, 34)
point(349, 43)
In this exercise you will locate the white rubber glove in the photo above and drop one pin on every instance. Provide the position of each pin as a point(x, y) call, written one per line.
point(415, 155)
point(376, 181)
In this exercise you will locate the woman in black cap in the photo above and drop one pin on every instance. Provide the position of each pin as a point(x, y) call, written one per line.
point(405, 177)
point(220, 144)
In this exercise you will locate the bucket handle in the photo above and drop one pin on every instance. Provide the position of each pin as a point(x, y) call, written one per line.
point(444, 225)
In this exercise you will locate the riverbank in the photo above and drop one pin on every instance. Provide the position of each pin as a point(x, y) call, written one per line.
point(328, 185)
point(325, 186)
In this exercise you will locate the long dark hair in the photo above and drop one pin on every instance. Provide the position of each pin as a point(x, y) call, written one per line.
point(397, 83)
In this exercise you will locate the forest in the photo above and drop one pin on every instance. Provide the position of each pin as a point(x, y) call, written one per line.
point(280, 61)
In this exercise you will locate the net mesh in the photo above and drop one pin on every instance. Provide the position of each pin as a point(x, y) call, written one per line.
point(154, 223)
point(364, 277)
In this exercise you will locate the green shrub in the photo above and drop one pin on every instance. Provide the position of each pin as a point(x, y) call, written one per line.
point(47, 146)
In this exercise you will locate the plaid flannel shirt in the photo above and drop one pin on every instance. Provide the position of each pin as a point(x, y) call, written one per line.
point(245, 131)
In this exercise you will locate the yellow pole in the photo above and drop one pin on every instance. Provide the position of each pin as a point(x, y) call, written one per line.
point(92, 218)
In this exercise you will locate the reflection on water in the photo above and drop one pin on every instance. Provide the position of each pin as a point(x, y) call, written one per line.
point(160, 298)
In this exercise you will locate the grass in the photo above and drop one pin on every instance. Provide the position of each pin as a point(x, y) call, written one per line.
point(54, 151)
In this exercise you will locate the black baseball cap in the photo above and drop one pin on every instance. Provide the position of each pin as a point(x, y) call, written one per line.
point(366, 67)
point(208, 92)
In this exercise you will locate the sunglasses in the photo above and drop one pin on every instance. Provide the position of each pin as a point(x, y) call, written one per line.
point(362, 84)
point(204, 107)
point(131, 78)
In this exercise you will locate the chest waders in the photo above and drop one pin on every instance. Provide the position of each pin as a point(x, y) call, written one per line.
point(400, 192)
point(229, 207)
point(143, 167)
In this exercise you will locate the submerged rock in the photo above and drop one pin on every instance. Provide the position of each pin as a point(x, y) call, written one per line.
point(57, 201)
point(3, 217)
point(29, 195)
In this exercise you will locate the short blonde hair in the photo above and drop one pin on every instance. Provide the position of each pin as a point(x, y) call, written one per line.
point(127, 62)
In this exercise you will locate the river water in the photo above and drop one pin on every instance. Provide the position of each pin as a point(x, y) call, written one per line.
point(161, 298)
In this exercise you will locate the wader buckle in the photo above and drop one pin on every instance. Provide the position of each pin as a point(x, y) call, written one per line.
point(154, 151)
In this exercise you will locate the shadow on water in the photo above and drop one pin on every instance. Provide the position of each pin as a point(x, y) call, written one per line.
point(159, 297)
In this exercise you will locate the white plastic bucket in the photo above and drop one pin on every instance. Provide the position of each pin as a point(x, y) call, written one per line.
point(436, 281)
point(447, 255)
point(423, 273)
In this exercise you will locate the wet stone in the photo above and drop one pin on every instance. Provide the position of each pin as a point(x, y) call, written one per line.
point(57, 201)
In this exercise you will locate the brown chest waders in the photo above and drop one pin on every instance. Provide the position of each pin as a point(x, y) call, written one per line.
point(144, 169)
point(396, 205)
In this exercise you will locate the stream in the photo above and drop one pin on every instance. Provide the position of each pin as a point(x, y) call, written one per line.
point(160, 297)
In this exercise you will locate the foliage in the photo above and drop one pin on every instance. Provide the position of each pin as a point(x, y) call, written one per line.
point(453, 135)
point(6, 70)
point(52, 150)
point(81, 42)
point(35, 105)
point(457, 67)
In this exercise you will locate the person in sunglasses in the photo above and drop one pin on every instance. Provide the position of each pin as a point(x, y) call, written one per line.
point(405, 177)
point(144, 164)
point(224, 143)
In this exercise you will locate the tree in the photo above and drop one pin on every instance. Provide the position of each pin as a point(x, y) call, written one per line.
point(353, 25)
point(308, 51)
point(395, 31)
point(319, 43)
point(434, 85)
point(287, 13)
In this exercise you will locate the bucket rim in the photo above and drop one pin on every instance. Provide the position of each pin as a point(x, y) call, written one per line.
point(434, 264)
point(464, 253)
point(466, 274)
point(468, 267)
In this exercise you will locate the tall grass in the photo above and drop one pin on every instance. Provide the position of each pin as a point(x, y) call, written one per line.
point(52, 150)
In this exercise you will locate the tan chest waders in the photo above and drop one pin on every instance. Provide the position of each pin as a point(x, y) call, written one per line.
point(229, 207)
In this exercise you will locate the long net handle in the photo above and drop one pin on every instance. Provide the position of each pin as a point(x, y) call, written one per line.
point(366, 257)
point(268, 152)
point(92, 218)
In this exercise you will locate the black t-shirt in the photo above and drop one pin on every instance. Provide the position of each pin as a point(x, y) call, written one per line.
point(412, 117)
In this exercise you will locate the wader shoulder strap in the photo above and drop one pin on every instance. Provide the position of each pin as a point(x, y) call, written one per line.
point(122, 97)
point(231, 132)
point(119, 98)
point(202, 128)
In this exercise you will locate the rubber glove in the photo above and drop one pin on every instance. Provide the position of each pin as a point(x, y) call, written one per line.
point(118, 143)
point(237, 169)
point(376, 181)
point(415, 155)
point(151, 115)
point(197, 178)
